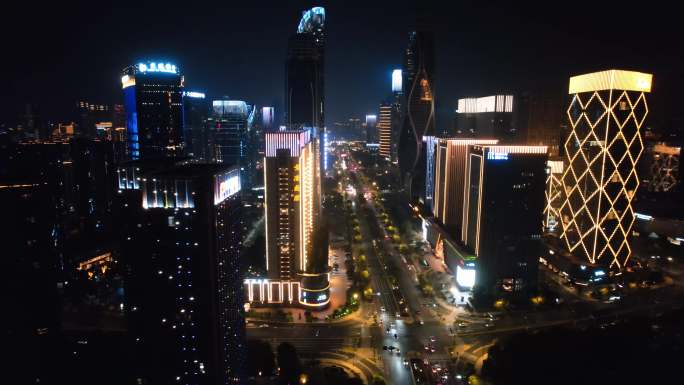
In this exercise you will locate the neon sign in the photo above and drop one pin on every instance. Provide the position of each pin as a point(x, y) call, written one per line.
point(497, 155)
point(157, 67)
point(193, 94)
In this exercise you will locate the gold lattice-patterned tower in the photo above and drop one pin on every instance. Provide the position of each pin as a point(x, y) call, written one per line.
point(606, 112)
point(553, 194)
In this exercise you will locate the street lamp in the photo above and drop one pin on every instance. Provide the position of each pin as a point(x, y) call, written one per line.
point(303, 378)
point(355, 296)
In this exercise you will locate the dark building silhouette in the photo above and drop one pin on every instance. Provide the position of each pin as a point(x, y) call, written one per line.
point(419, 109)
point(504, 203)
point(184, 287)
point(304, 72)
point(196, 109)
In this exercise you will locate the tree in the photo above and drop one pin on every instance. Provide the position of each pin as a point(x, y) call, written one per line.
point(260, 358)
point(288, 362)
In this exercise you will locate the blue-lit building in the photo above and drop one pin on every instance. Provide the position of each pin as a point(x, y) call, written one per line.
point(184, 290)
point(430, 143)
point(153, 99)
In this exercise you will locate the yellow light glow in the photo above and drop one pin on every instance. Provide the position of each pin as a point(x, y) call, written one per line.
point(611, 80)
point(601, 154)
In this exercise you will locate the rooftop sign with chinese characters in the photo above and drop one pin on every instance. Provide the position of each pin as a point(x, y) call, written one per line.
point(157, 67)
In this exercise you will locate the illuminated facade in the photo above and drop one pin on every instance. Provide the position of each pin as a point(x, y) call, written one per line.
point(384, 127)
point(450, 162)
point(493, 116)
point(294, 241)
point(419, 108)
point(600, 180)
point(371, 128)
point(554, 194)
point(184, 288)
point(664, 168)
point(503, 209)
point(153, 99)
point(430, 144)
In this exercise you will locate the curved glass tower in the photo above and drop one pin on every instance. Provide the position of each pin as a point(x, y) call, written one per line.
point(419, 117)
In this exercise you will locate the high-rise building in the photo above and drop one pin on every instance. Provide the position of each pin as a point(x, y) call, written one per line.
point(419, 118)
point(153, 98)
point(304, 88)
point(554, 194)
point(384, 127)
point(296, 247)
point(231, 136)
point(371, 131)
point(664, 168)
point(496, 116)
point(268, 119)
point(606, 113)
point(430, 145)
point(504, 202)
point(195, 113)
point(450, 165)
point(185, 305)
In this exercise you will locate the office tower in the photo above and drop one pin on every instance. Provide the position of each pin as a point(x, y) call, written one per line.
point(397, 117)
point(356, 128)
point(430, 144)
point(601, 152)
point(384, 127)
point(554, 193)
point(304, 88)
point(504, 202)
point(371, 123)
point(295, 242)
point(195, 113)
point(450, 165)
point(664, 168)
point(419, 108)
point(268, 119)
point(153, 98)
point(185, 304)
point(229, 136)
point(498, 116)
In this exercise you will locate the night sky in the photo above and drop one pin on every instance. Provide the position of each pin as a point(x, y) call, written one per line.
point(69, 52)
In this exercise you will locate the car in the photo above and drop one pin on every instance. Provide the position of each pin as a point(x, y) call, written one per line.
point(382, 309)
point(263, 325)
point(432, 338)
point(384, 347)
point(406, 363)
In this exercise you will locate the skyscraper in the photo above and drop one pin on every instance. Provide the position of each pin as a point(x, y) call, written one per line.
point(153, 98)
point(230, 136)
point(601, 152)
point(295, 243)
point(195, 113)
point(489, 117)
point(504, 202)
point(419, 119)
point(384, 127)
point(304, 87)
point(185, 304)
point(451, 159)
point(371, 131)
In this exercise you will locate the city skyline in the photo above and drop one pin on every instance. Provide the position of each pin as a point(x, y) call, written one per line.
point(390, 192)
point(469, 52)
